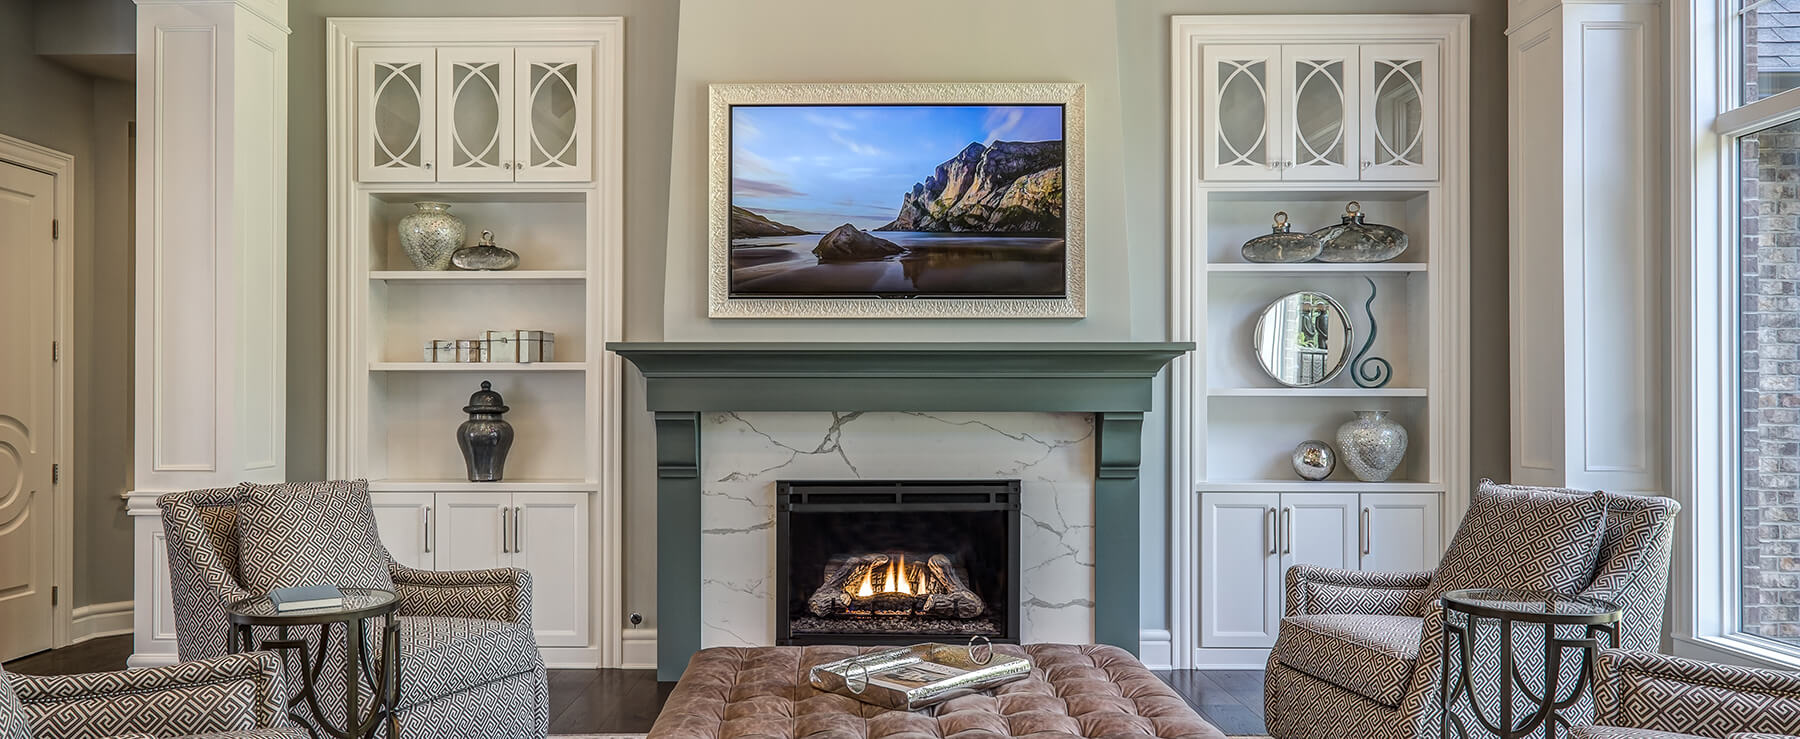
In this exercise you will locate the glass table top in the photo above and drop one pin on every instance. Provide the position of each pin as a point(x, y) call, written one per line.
point(1528, 603)
point(355, 600)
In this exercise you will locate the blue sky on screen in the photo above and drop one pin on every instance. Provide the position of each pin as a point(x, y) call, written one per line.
point(821, 166)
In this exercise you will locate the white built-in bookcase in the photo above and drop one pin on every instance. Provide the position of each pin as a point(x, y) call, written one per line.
point(1248, 91)
point(517, 124)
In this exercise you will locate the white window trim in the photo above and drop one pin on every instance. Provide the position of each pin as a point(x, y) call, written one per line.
point(1703, 213)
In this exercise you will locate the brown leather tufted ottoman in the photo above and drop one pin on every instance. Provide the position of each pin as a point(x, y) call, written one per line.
point(1073, 691)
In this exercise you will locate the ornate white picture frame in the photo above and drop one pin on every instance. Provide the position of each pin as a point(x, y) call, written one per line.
point(819, 105)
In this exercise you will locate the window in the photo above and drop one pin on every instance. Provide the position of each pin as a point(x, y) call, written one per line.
point(1754, 148)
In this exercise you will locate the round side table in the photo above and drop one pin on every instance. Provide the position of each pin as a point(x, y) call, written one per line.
point(360, 604)
point(1510, 607)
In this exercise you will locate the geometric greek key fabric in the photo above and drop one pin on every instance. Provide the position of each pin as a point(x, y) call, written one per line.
point(309, 533)
point(1523, 539)
point(1613, 732)
point(486, 674)
point(236, 696)
point(12, 715)
point(1305, 695)
point(1645, 690)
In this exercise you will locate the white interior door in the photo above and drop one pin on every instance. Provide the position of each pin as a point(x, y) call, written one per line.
point(475, 120)
point(555, 90)
point(1318, 529)
point(550, 541)
point(404, 521)
point(27, 409)
point(475, 531)
point(1400, 532)
point(1240, 582)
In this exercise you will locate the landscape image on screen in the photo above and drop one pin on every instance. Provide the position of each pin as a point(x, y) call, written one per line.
point(948, 201)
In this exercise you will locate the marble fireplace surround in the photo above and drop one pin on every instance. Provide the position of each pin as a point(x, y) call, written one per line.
point(719, 391)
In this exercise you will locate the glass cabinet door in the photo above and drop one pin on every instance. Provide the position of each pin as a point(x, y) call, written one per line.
point(1320, 126)
point(1241, 113)
point(475, 137)
point(554, 86)
point(1399, 98)
point(397, 116)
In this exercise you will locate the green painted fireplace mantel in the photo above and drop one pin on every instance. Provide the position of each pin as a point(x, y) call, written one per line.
point(1112, 380)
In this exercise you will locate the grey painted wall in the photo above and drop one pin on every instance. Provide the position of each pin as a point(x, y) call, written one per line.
point(1119, 50)
point(63, 114)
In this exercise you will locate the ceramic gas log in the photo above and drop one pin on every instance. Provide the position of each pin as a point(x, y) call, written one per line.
point(888, 585)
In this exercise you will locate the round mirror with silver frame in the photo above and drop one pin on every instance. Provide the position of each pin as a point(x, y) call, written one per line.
point(1303, 339)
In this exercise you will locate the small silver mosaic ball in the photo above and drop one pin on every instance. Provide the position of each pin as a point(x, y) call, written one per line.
point(1314, 460)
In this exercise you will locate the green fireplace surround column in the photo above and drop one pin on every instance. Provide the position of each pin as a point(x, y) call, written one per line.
point(1111, 380)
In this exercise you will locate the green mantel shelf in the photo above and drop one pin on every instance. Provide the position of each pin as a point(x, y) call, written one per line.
point(1112, 380)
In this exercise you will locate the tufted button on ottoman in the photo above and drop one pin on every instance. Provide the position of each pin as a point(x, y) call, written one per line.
point(1073, 691)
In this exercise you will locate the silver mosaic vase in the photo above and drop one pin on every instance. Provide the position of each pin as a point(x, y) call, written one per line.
point(430, 235)
point(1372, 445)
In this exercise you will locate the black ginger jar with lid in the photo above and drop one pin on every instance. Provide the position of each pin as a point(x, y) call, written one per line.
point(486, 437)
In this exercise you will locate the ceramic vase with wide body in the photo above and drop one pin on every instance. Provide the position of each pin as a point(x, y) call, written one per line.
point(1281, 245)
point(1314, 460)
point(485, 438)
point(430, 235)
point(1372, 445)
point(485, 256)
point(1357, 241)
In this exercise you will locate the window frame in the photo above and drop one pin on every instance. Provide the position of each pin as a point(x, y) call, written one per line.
point(1704, 213)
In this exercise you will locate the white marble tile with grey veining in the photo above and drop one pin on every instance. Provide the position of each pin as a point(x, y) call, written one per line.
point(744, 454)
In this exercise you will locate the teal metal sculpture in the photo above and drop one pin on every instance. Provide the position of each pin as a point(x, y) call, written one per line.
point(1371, 372)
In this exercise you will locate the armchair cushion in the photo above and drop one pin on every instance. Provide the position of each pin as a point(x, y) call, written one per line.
point(309, 533)
point(12, 715)
point(1371, 656)
point(440, 656)
point(1524, 539)
point(1315, 590)
point(1614, 732)
point(500, 594)
point(1656, 691)
point(237, 693)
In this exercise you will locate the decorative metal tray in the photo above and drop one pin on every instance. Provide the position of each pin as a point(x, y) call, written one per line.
point(919, 676)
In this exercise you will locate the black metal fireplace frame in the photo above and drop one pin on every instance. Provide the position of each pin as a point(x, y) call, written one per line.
point(857, 496)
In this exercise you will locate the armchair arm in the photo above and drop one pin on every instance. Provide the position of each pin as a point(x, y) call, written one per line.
point(1645, 690)
point(240, 692)
point(1319, 590)
point(500, 594)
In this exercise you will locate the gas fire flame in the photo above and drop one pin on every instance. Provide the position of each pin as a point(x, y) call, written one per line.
point(899, 579)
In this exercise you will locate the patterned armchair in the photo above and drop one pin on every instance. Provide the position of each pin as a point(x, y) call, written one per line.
point(469, 663)
point(235, 697)
point(1644, 695)
point(1359, 653)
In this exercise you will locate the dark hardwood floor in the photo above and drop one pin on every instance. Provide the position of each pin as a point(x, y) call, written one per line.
point(627, 701)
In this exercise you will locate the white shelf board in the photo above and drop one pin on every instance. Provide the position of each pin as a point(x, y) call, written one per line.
point(1312, 268)
point(464, 486)
point(529, 276)
point(1316, 392)
point(1323, 486)
point(477, 367)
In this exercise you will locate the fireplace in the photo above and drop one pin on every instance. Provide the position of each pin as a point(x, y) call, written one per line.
point(896, 562)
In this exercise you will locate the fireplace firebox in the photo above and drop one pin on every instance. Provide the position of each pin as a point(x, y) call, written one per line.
point(896, 562)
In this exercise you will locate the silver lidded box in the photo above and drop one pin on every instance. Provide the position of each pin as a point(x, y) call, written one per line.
point(919, 676)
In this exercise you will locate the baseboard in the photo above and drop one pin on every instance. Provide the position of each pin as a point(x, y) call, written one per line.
point(1230, 659)
point(151, 659)
point(1156, 648)
point(639, 649)
point(100, 619)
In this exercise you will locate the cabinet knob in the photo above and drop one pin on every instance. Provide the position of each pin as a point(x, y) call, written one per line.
point(1367, 164)
point(428, 165)
point(506, 165)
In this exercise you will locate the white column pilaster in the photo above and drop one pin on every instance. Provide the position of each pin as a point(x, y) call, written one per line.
point(1589, 303)
point(211, 291)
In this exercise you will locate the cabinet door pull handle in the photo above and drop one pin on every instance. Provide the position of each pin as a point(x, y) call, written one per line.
point(1274, 536)
point(1287, 530)
point(518, 541)
point(505, 531)
point(427, 529)
point(1365, 530)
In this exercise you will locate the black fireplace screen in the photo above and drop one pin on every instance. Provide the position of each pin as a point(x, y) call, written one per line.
point(897, 562)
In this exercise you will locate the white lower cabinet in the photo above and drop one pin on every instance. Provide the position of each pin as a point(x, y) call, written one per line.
point(546, 534)
point(1249, 540)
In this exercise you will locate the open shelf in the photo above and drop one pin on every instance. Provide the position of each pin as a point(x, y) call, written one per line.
point(1317, 392)
point(477, 366)
point(1322, 486)
point(1233, 217)
point(464, 486)
point(1311, 268)
point(527, 276)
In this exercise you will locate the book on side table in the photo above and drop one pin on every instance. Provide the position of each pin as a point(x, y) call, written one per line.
point(306, 598)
